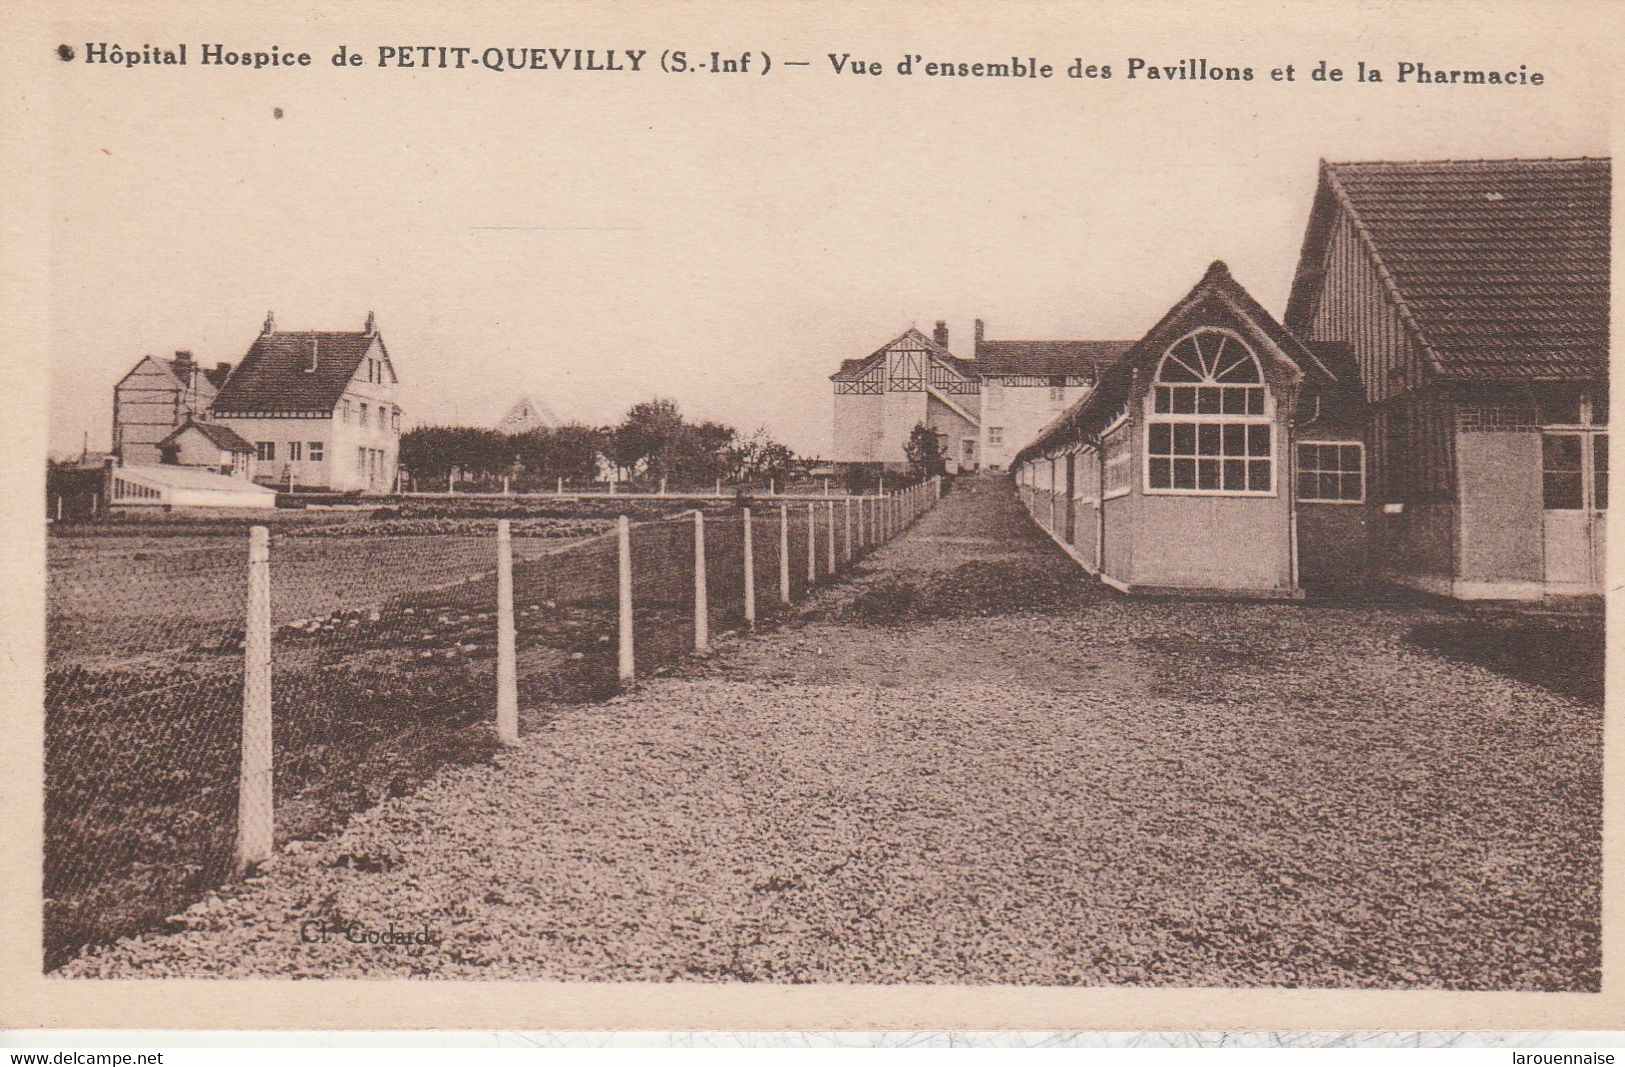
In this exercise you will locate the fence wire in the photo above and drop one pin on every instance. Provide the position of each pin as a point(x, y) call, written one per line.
point(383, 649)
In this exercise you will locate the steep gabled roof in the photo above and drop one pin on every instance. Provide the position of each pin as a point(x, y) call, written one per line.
point(1047, 358)
point(1500, 268)
point(1090, 414)
point(220, 436)
point(853, 368)
point(273, 375)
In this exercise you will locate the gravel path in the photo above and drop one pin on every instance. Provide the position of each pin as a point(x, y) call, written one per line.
point(969, 764)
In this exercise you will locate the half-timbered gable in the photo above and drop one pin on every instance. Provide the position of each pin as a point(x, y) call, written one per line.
point(911, 380)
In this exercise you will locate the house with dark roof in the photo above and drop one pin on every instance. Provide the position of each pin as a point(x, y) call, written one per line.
point(208, 446)
point(1431, 409)
point(984, 407)
point(319, 408)
point(1473, 298)
point(155, 397)
point(1025, 384)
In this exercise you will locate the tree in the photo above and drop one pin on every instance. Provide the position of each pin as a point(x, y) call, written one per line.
point(927, 453)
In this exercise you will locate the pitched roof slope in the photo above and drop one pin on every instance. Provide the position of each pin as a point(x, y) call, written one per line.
point(1502, 265)
point(219, 436)
point(1096, 408)
point(273, 375)
point(853, 368)
point(1046, 358)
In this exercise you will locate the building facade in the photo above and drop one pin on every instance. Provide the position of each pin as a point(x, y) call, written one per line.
point(319, 407)
point(209, 446)
point(1026, 384)
point(1432, 411)
point(911, 380)
point(154, 398)
point(984, 408)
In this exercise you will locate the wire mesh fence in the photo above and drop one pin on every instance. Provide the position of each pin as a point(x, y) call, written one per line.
point(378, 664)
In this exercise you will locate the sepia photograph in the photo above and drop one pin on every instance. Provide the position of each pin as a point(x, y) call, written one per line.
point(874, 503)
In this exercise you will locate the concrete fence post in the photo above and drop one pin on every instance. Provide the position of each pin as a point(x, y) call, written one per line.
point(507, 670)
point(702, 609)
point(662, 485)
point(750, 574)
point(829, 534)
point(561, 486)
point(505, 489)
point(623, 538)
point(719, 487)
point(451, 482)
point(784, 553)
point(255, 813)
point(812, 545)
point(846, 549)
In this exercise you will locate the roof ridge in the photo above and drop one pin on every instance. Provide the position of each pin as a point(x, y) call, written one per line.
point(1383, 273)
point(1463, 162)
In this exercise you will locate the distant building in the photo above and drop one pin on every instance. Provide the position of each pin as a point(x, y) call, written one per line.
point(1025, 384)
point(209, 446)
point(911, 380)
point(985, 408)
point(318, 407)
point(155, 397)
point(527, 415)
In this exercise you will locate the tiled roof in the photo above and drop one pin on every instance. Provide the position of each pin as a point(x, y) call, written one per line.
point(1096, 408)
point(1502, 265)
point(219, 436)
point(273, 375)
point(1045, 358)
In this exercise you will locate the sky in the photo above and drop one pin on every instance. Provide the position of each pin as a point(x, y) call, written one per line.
point(596, 240)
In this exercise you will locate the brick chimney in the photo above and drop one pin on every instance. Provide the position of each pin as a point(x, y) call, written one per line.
point(940, 335)
point(270, 322)
point(372, 325)
point(981, 332)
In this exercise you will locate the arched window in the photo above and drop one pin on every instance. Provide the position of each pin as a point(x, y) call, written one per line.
point(1211, 427)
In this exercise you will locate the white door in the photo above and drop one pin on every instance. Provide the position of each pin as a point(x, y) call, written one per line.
point(1574, 483)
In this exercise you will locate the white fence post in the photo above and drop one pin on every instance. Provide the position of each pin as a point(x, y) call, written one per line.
point(561, 485)
point(847, 540)
point(507, 670)
point(829, 532)
point(812, 545)
point(623, 537)
point(750, 575)
point(702, 609)
point(255, 818)
point(784, 553)
point(505, 490)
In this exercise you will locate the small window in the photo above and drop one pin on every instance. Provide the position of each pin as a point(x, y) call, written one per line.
point(363, 414)
point(1562, 472)
point(265, 451)
point(995, 435)
point(296, 450)
point(1057, 393)
point(395, 420)
point(344, 410)
point(1331, 472)
point(315, 451)
point(1599, 470)
point(361, 460)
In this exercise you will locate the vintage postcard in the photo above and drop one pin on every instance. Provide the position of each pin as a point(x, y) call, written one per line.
point(746, 515)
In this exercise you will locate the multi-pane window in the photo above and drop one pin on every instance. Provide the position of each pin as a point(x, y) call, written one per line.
point(344, 410)
point(363, 414)
point(395, 420)
point(265, 451)
point(1057, 393)
point(1331, 472)
point(315, 451)
point(995, 435)
point(1210, 430)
